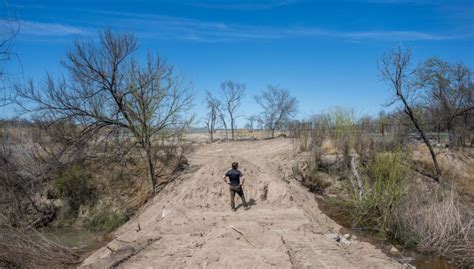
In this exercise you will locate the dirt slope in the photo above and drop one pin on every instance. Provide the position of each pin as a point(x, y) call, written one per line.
point(190, 225)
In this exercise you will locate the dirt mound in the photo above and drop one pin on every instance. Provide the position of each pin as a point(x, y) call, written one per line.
point(189, 224)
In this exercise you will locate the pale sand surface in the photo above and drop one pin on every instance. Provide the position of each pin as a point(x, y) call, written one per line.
point(190, 225)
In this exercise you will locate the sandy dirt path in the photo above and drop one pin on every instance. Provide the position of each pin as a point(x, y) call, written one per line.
point(190, 225)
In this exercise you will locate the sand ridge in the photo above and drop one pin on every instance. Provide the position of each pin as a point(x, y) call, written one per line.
point(190, 225)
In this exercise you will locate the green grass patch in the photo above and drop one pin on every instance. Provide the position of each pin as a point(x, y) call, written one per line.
point(105, 221)
point(75, 187)
point(385, 185)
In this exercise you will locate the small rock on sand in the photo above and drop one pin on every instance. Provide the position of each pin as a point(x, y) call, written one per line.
point(394, 251)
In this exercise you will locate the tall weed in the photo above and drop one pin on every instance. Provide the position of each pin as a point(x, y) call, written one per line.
point(384, 187)
point(75, 186)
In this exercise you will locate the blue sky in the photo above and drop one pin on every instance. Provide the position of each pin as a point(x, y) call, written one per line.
point(324, 52)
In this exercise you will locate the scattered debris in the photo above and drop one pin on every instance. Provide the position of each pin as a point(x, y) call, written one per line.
point(241, 233)
point(263, 196)
point(339, 239)
point(394, 251)
point(165, 212)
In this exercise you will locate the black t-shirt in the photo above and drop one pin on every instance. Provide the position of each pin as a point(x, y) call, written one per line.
point(234, 176)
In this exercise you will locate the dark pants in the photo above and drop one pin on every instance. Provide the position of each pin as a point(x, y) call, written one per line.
point(240, 192)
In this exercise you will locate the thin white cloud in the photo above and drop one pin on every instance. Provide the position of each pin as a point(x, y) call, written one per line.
point(49, 29)
point(399, 2)
point(188, 29)
point(249, 5)
point(400, 36)
point(151, 26)
point(168, 27)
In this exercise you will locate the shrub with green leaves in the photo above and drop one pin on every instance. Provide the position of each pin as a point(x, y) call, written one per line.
point(75, 186)
point(342, 121)
point(105, 220)
point(384, 187)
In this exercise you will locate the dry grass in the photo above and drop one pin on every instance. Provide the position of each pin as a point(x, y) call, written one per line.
point(467, 183)
point(246, 134)
point(328, 147)
point(440, 218)
point(240, 134)
point(456, 168)
point(436, 219)
point(33, 250)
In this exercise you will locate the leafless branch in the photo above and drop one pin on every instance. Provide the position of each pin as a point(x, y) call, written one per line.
point(278, 107)
point(394, 68)
point(107, 87)
point(232, 93)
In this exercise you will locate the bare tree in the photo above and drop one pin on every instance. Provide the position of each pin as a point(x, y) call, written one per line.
point(278, 107)
point(449, 93)
point(9, 28)
point(224, 122)
point(252, 121)
point(7, 35)
point(394, 68)
point(214, 107)
point(106, 87)
point(232, 93)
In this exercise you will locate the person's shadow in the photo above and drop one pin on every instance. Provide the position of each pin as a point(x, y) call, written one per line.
point(250, 203)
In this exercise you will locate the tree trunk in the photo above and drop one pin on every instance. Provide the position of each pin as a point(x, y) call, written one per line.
point(452, 138)
point(466, 132)
point(225, 127)
point(232, 126)
point(439, 133)
point(354, 172)
point(410, 114)
point(151, 169)
point(451, 135)
point(211, 130)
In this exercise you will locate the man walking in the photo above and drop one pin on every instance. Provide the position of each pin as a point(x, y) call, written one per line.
point(233, 177)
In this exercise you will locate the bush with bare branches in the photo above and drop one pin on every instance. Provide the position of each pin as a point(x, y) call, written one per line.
point(106, 89)
point(436, 222)
point(31, 249)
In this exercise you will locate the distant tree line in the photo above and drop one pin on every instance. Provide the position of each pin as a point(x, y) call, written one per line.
point(278, 108)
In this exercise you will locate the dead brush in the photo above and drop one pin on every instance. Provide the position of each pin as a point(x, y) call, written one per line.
point(439, 223)
point(306, 136)
point(454, 167)
point(423, 161)
point(30, 249)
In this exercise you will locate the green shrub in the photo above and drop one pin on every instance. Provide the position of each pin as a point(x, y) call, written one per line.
point(75, 186)
point(343, 123)
point(386, 185)
point(105, 220)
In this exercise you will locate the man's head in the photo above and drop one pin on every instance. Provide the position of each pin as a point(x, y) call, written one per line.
point(235, 165)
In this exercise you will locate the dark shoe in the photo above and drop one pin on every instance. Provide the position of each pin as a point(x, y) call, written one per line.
point(233, 209)
point(246, 207)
